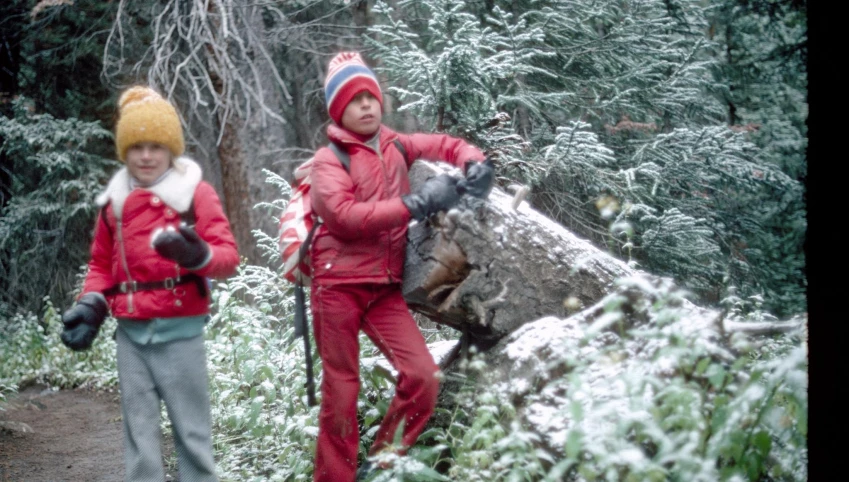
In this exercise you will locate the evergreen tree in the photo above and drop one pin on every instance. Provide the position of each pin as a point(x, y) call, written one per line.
point(46, 227)
point(765, 66)
point(51, 163)
point(615, 114)
point(61, 47)
point(764, 63)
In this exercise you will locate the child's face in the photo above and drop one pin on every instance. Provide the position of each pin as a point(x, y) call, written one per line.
point(147, 161)
point(362, 115)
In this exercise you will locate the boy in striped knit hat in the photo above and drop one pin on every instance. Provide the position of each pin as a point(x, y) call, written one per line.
point(357, 258)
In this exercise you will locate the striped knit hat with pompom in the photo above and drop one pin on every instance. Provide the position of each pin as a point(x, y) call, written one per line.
point(144, 116)
point(347, 76)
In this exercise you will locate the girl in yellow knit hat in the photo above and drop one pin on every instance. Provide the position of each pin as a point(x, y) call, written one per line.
point(160, 234)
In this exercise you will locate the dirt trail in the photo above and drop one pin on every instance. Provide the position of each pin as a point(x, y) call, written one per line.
point(61, 436)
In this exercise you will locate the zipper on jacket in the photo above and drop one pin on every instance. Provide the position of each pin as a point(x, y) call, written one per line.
point(388, 236)
point(120, 233)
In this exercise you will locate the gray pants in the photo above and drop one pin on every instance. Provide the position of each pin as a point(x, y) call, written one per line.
point(174, 372)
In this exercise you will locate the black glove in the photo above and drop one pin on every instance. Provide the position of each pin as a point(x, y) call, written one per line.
point(436, 194)
point(479, 177)
point(82, 322)
point(183, 246)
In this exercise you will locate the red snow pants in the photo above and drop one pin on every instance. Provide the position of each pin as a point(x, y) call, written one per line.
point(339, 313)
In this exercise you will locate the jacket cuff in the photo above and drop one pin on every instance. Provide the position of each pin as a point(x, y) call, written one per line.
point(414, 205)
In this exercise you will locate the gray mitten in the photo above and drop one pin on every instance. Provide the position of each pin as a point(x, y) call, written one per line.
point(183, 246)
point(438, 193)
point(479, 177)
point(82, 322)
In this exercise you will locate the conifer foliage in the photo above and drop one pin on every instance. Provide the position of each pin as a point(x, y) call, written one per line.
point(46, 226)
point(617, 115)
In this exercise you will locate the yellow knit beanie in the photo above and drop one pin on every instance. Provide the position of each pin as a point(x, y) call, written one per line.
point(144, 116)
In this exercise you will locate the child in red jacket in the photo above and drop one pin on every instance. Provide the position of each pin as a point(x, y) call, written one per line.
point(160, 234)
point(358, 259)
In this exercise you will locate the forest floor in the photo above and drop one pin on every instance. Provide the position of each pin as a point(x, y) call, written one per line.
point(63, 436)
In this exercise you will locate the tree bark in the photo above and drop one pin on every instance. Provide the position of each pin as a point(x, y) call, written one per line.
point(249, 144)
point(486, 268)
point(235, 182)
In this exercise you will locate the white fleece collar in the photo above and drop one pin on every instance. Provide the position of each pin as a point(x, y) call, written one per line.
point(176, 190)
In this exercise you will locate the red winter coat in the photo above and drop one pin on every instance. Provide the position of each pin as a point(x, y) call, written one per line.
point(122, 251)
point(364, 234)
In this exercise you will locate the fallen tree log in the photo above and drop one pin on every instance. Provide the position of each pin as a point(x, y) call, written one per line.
point(487, 267)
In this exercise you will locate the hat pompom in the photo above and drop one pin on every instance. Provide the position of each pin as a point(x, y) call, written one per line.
point(137, 94)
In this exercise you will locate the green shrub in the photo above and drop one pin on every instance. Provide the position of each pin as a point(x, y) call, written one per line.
point(32, 352)
point(46, 226)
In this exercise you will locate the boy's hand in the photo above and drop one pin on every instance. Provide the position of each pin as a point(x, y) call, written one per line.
point(183, 246)
point(479, 177)
point(82, 322)
point(436, 194)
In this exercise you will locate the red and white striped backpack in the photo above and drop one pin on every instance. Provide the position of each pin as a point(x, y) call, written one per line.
point(297, 227)
point(298, 223)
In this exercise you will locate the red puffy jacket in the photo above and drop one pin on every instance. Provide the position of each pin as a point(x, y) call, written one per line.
point(364, 234)
point(122, 251)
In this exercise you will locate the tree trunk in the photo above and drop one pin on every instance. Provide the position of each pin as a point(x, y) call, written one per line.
point(249, 144)
point(234, 180)
point(489, 267)
point(533, 366)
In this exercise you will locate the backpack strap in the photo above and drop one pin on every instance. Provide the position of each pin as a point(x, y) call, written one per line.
point(342, 155)
point(302, 330)
point(400, 148)
point(345, 160)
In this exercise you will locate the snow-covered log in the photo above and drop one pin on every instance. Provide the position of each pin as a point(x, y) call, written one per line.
point(623, 357)
point(487, 267)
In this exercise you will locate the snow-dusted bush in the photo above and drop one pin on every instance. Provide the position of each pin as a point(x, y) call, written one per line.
point(666, 398)
point(32, 352)
point(52, 172)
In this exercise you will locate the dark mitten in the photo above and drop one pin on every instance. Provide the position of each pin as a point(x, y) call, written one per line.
point(82, 322)
point(436, 194)
point(183, 246)
point(479, 177)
